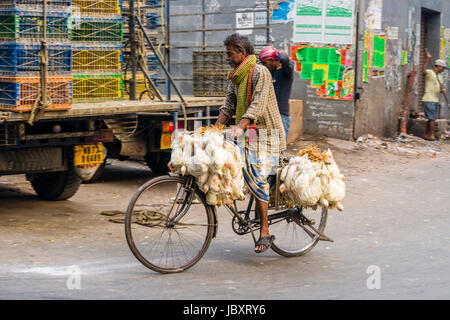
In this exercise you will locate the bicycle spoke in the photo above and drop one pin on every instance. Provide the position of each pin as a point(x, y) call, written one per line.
point(294, 235)
point(312, 235)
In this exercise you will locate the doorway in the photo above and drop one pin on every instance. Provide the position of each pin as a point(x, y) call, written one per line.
point(430, 38)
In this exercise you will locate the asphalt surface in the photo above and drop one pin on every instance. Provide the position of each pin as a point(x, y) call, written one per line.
point(391, 242)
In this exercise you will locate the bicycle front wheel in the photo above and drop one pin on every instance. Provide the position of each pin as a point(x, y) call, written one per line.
point(168, 225)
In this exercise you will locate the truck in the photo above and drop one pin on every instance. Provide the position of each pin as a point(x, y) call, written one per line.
point(49, 151)
point(59, 148)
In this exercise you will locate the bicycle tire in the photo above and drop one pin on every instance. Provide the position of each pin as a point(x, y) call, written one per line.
point(131, 235)
point(296, 224)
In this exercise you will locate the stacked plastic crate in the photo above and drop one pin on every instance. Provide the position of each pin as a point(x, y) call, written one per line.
point(21, 31)
point(210, 71)
point(153, 24)
point(97, 43)
point(148, 12)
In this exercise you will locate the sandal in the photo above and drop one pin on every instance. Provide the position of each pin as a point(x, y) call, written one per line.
point(266, 242)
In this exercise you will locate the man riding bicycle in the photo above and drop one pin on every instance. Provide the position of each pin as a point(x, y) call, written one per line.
point(251, 99)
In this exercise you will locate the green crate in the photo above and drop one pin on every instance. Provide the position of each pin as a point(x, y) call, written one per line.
point(9, 24)
point(96, 31)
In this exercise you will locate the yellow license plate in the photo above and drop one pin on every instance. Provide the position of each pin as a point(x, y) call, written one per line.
point(88, 154)
point(166, 140)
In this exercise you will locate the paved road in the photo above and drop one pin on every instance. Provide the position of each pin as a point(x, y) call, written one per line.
point(392, 237)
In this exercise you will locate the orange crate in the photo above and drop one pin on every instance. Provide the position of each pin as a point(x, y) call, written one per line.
point(18, 94)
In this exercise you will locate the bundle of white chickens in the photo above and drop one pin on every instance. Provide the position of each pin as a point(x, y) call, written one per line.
point(312, 179)
point(214, 162)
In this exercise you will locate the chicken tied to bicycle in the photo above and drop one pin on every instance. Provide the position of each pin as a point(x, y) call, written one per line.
point(310, 179)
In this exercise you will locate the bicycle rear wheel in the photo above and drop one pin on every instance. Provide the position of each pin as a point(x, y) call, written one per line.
point(295, 234)
point(168, 225)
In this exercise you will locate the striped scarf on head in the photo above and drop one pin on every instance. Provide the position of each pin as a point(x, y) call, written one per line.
point(242, 77)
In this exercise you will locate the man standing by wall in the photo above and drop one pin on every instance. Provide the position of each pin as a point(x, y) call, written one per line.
point(433, 86)
point(282, 71)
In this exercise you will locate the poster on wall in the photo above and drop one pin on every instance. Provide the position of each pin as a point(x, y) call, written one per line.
point(245, 20)
point(328, 68)
point(284, 12)
point(339, 21)
point(308, 21)
point(324, 21)
point(373, 15)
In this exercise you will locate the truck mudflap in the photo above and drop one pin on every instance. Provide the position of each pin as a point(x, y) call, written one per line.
point(30, 160)
point(88, 160)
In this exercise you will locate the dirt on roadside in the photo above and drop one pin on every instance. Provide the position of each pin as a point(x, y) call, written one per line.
point(374, 153)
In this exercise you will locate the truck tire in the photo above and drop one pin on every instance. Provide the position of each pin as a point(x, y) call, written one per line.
point(157, 161)
point(55, 186)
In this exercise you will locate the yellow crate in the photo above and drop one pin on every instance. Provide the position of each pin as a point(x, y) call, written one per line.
point(100, 87)
point(96, 7)
point(141, 85)
point(96, 60)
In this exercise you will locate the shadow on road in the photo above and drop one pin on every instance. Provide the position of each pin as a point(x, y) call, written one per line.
point(124, 171)
point(10, 192)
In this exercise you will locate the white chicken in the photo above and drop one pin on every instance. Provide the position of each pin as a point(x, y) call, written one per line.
point(215, 163)
point(176, 159)
point(313, 183)
point(197, 165)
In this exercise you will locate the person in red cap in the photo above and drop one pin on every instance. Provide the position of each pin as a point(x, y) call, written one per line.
point(433, 86)
point(282, 71)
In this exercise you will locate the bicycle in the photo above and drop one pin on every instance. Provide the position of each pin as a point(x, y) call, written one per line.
point(169, 225)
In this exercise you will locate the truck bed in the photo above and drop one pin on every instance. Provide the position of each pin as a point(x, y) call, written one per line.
point(85, 110)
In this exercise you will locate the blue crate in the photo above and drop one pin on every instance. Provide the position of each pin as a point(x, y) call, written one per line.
point(152, 63)
point(152, 3)
point(9, 93)
point(23, 59)
point(152, 20)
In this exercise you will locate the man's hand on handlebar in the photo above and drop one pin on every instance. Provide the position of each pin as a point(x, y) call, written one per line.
point(238, 130)
point(235, 131)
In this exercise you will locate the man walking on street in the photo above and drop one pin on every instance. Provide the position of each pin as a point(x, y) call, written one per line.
point(433, 86)
point(282, 71)
point(251, 98)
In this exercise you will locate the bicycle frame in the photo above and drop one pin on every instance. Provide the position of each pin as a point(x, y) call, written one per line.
point(252, 224)
point(243, 217)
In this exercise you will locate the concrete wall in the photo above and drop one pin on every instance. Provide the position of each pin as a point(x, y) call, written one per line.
point(381, 102)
